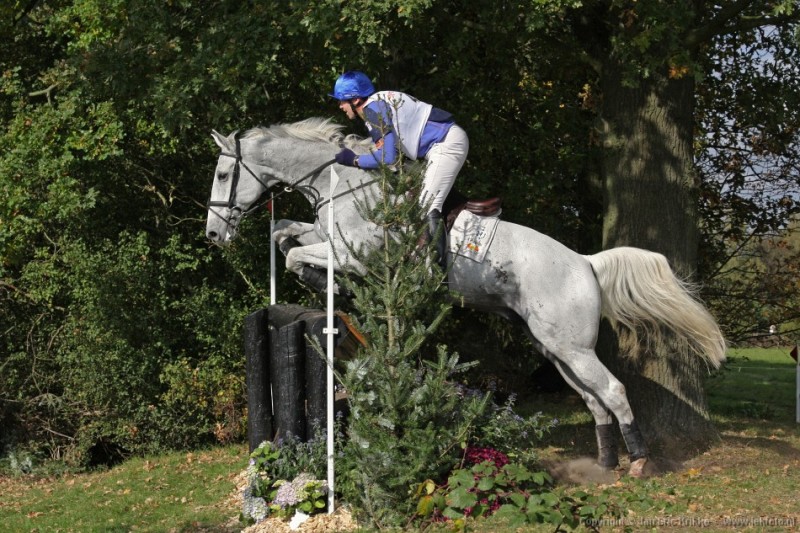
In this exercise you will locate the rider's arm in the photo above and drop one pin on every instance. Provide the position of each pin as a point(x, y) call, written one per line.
point(384, 152)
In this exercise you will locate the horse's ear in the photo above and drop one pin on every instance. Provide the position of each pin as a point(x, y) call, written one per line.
point(221, 141)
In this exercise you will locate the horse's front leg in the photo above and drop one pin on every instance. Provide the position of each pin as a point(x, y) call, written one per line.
point(311, 264)
point(289, 234)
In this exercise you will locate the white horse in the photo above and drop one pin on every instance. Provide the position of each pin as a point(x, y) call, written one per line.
point(557, 293)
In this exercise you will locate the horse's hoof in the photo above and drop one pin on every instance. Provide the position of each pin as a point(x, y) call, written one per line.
point(637, 468)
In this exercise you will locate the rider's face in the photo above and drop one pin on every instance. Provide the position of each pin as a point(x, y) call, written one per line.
point(351, 108)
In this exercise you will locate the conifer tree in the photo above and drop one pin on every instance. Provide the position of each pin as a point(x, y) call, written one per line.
point(408, 417)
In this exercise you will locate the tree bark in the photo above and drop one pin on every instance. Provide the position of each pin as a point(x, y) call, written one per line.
point(650, 203)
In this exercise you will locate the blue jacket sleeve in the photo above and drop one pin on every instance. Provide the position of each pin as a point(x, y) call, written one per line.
point(379, 118)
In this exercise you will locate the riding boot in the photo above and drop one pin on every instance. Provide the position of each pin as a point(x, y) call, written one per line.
point(436, 231)
point(633, 440)
point(607, 454)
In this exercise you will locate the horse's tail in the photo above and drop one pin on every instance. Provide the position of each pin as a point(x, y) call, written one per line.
point(642, 293)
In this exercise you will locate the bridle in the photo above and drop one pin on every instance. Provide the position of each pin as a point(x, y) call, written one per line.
point(235, 211)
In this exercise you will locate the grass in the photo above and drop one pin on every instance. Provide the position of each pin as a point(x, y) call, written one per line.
point(749, 481)
point(756, 383)
point(173, 492)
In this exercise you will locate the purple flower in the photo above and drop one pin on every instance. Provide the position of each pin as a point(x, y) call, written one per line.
point(291, 494)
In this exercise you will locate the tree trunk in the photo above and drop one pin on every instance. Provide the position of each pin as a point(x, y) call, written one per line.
point(650, 203)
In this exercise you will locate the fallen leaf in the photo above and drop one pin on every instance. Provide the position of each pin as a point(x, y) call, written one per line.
point(693, 472)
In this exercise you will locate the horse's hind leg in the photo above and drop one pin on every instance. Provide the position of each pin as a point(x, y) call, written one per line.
point(604, 395)
point(607, 452)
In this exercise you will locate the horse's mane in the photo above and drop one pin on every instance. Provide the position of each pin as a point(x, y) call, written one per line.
point(310, 129)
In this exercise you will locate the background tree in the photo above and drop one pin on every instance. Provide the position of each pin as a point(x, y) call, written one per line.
point(584, 116)
point(648, 57)
point(749, 189)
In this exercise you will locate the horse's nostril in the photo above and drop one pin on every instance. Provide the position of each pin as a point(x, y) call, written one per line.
point(212, 235)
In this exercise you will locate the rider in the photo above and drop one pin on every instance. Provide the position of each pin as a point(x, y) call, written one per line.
point(398, 121)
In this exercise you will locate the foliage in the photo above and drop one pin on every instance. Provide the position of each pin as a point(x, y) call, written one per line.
point(499, 427)
point(105, 280)
point(281, 482)
point(763, 265)
point(493, 486)
point(503, 429)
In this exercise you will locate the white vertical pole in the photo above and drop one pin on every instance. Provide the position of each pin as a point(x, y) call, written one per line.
point(797, 387)
point(330, 331)
point(273, 294)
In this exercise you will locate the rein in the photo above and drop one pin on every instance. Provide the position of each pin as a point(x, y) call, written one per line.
point(319, 205)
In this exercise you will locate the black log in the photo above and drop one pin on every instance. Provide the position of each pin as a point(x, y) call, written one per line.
point(288, 379)
point(259, 396)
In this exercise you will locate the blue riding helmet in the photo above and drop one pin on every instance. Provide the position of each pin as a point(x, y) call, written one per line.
point(353, 84)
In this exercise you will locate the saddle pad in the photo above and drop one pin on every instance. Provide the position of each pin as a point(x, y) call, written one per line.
point(471, 235)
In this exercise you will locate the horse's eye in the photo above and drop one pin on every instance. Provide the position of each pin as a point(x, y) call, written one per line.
point(222, 176)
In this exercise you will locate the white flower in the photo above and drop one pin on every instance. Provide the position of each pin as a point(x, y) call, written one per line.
point(298, 519)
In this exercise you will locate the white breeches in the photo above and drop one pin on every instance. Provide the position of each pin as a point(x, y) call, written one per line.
point(445, 160)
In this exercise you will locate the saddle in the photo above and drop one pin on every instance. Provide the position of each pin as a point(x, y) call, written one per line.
point(457, 202)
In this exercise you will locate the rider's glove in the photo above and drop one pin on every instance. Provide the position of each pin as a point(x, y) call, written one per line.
point(347, 157)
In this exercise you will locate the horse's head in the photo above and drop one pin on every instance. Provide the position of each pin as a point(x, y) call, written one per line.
point(236, 188)
point(292, 154)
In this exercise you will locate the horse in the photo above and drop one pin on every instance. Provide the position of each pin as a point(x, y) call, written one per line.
point(558, 294)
